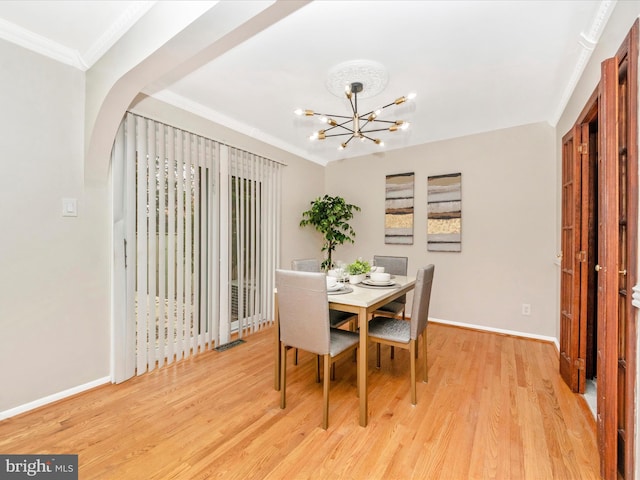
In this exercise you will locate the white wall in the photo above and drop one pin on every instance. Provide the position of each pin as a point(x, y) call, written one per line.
point(54, 295)
point(508, 224)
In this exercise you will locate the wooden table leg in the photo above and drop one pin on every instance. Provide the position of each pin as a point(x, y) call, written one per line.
point(276, 330)
point(362, 365)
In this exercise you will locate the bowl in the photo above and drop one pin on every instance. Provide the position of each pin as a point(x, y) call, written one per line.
point(380, 277)
point(331, 282)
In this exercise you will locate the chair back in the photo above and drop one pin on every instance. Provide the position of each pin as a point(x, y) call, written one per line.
point(303, 310)
point(421, 299)
point(305, 265)
point(392, 265)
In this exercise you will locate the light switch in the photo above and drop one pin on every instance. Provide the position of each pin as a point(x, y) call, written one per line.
point(69, 207)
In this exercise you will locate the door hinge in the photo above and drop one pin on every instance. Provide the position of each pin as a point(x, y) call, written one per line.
point(583, 148)
point(582, 256)
point(579, 363)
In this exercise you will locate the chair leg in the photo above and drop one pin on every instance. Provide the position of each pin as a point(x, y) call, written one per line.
point(424, 354)
point(333, 370)
point(412, 348)
point(325, 392)
point(393, 350)
point(378, 355)
point(283, 376)
point(317, 368)
point(295, 356)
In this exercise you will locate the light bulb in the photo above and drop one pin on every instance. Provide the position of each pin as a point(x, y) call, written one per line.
point(411, 96)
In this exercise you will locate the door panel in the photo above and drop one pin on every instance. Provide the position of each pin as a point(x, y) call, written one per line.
point(608, 257)
point(572, 286)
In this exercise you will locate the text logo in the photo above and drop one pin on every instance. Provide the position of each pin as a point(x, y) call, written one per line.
point(50, 467)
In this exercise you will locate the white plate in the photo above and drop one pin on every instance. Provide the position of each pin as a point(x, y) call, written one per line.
point(335, 288)
point(373, 283)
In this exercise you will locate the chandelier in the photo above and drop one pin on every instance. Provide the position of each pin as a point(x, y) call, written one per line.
point(357, 125)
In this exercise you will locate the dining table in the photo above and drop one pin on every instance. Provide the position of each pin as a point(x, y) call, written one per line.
point(360, 299)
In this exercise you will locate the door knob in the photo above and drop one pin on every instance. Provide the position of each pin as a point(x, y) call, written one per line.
point(598, 268)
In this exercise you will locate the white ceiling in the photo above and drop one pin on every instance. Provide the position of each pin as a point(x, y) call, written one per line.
point(475, 65)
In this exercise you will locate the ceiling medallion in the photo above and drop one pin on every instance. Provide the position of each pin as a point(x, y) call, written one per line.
point(357, 125)
point(373, 76)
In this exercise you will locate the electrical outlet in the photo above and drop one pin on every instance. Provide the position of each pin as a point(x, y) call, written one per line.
point(526, 309)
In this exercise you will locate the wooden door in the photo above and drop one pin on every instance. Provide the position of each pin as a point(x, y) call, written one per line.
point(627, 157)
point(607, 268)
point(573, 282)
point(617, 260)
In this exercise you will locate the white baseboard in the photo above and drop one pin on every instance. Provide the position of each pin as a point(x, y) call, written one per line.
point(53, 398)
point(497, 330)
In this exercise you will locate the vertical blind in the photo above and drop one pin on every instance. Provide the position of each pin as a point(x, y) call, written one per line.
point(255, 187)
point(173, 212)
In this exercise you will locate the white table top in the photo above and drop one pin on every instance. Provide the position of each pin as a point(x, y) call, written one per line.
point(366, 296)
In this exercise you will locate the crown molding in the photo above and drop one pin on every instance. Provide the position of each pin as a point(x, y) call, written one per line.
point(587, 42)
point(39, 44)
point(47, 47)
point(195, 108)
point(127, 20)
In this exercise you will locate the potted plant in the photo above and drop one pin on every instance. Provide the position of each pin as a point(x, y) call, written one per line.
point(330, 215)
point(358, 271)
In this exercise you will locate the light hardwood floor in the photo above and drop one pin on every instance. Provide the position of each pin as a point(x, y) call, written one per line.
point(494, 407)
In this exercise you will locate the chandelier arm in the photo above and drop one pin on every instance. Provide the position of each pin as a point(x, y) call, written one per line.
point(388, 105)
point(341, 126)
point(339, 134)
point(367, 137)
point(373, 111)
point(393, 122)
point(375, 130)
point(332, 116)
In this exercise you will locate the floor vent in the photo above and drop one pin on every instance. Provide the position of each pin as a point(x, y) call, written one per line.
point(227, 346)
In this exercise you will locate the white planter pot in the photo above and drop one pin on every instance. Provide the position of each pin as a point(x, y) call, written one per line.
point(353, 279)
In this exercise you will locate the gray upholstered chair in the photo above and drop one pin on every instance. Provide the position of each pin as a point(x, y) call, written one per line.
point(394, 266)
point(403, 334)
point(336, 317)
point(304, 324)
point(305, 265)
